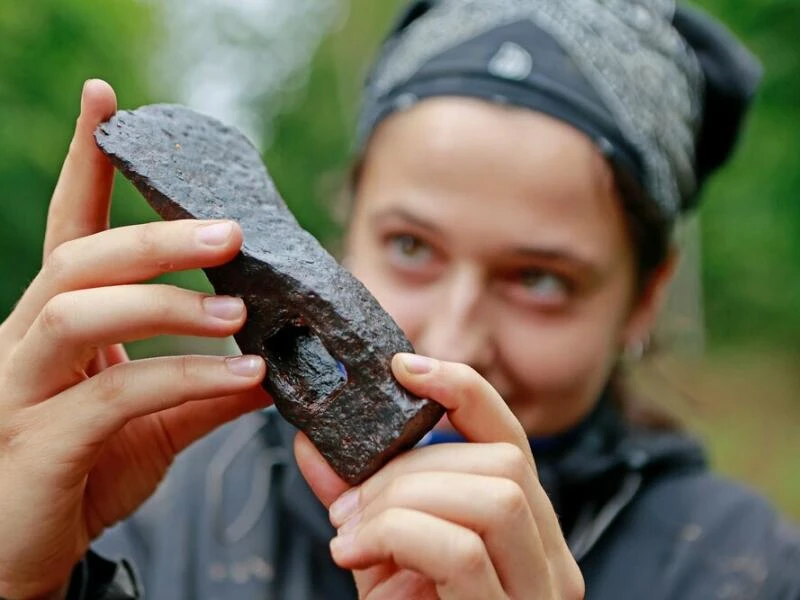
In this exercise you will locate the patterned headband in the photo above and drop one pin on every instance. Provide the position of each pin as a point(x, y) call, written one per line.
point(616, 69)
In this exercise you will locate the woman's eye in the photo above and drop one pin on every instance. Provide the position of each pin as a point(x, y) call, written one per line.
point(544, 287)
point(409, 249)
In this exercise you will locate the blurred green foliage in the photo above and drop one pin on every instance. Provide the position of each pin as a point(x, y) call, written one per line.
point(751, 217)
point(46, 53)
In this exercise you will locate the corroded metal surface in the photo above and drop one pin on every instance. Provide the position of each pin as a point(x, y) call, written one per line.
point(326, 340)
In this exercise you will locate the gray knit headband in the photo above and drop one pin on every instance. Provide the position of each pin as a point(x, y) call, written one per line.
point(641, 69)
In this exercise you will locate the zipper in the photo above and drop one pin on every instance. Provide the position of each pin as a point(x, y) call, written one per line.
point(590, 527)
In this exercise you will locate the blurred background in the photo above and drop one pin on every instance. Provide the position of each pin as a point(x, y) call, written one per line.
point(289, 75)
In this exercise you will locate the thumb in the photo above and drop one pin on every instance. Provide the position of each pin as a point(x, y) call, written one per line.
point(80, 202)
point(319, 475)
point(473, 406)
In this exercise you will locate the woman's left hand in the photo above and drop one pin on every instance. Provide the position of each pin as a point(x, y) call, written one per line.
point(452, 520)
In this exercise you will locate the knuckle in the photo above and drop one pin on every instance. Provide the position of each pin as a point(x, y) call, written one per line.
point(389, 524)
point(55, 316)
point(464, 374)
point(469, 553)
point(464, 378)
point(12, 432)
point(110, 384)
point(512, 461)
point(58, 262)
point(401, 492)
point(188, 367)
point(396, 490)
point(147, 240)
point(510, 500)
point(164, 300)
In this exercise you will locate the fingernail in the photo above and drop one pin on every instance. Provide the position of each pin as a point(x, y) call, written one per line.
point(344, 507)
point(416, 364)
point(226, 308)
point(215, 235)
point(343, 544)
point(244, 366)
point(84, 89)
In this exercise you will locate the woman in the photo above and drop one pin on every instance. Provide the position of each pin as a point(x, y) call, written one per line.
point(521, 166)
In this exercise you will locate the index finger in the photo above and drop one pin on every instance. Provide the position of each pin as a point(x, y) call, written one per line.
point(473, 406)
point(80, 202)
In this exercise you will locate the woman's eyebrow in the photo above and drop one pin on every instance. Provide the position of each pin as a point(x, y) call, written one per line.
point(404, 215)
point(558, 255)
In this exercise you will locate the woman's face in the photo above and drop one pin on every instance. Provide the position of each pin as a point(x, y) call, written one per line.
point(494, 237)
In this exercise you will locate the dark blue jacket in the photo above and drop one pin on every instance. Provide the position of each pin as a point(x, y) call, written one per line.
point(642, 514)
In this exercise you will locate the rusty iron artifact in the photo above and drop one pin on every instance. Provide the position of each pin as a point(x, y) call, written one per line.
point(327, 342)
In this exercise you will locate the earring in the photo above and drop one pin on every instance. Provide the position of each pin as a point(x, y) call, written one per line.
point(636, 349)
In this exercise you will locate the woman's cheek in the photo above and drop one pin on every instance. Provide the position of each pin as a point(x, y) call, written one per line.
point(408, 305)
point(410, 310)
point(557, 368)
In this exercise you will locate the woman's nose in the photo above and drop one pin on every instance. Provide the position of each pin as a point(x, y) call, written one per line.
point(457, 327)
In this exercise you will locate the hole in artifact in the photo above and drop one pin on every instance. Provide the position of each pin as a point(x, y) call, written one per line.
point(298, 361)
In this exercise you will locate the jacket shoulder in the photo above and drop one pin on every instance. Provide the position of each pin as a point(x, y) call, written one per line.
point(702, 536)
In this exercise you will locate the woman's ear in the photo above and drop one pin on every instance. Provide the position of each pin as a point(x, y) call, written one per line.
point(648, 304)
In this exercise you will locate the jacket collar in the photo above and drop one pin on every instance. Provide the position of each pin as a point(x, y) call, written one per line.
point(607, 446)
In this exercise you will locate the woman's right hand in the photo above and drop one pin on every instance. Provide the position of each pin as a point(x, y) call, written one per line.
point(85, 434)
